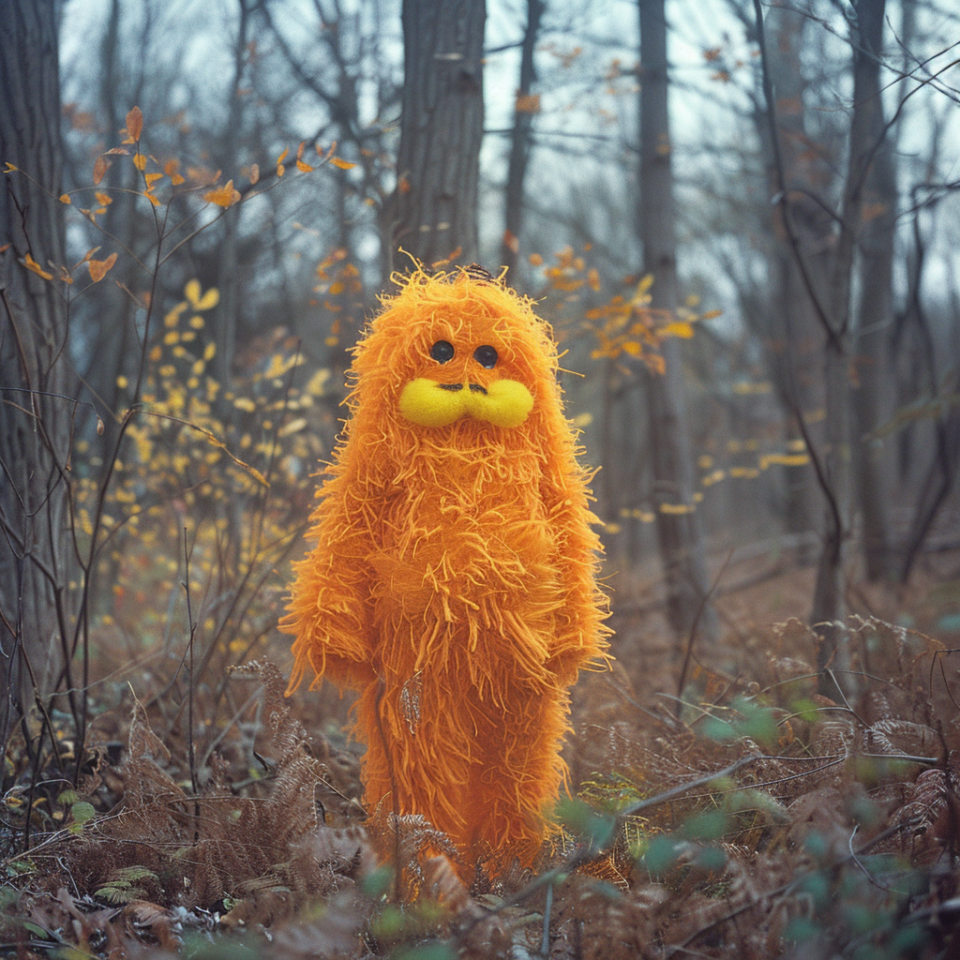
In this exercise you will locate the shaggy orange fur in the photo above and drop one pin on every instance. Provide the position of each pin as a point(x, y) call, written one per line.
point(453, 581)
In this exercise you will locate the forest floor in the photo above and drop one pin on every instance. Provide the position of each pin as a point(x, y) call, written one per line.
point(734, 813)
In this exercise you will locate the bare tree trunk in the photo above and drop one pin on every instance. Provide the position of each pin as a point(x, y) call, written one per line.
point(873, 400)
point(435, 203)
point(37, 563)
point(524, 111)
point(678, 525)
point(796, 344)
point(829, 606)
point(228, 280)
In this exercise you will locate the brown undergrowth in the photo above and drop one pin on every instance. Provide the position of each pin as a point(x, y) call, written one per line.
point(747, 817)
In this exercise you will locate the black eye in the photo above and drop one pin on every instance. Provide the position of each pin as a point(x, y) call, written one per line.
point(442, 351)
point(486, 356)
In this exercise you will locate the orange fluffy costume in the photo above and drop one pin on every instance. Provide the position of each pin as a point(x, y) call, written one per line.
point(453, 581)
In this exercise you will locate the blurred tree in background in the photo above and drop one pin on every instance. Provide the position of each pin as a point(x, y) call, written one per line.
point(38, 568)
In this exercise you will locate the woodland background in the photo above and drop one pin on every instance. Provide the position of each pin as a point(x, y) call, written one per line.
point(741, 219)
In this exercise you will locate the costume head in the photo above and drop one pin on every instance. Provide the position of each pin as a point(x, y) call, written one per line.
point(453, 577)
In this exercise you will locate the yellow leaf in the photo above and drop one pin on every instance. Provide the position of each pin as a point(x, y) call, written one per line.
point(173, 317)
point(32, 264)
point(100, 268)
point(643, 289)
point(679, 328)
point(140, 161)
point(9, 168)
point(103, 199)
point(745, 387)
point(206, 302)
point(303, 167)
point(65, 198)
point(152, 178)
point(245, 403)
point(209, 350)
point(677, 508)
point(280, 167)
point(225, 196)
point(784, 460)
point(152, 198)
point(292, 427)
point(342, 164)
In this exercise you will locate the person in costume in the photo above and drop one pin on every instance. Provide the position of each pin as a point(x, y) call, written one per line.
point(453, 580)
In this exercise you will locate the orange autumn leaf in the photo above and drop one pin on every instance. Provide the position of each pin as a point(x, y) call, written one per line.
point(254, 173)
point(342, 164)
point(303, 167)
point(100, 268)
point(140, 162)
point(225, 196)
point(134, 126)
point(281, 169)
point(32, 264)
point(103, 199)
point(100, 169)
point(65, 198)
point(152, 178)
point(172, 169)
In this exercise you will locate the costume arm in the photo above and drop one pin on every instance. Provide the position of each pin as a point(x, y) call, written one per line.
point(328, 612)
point(581, 634)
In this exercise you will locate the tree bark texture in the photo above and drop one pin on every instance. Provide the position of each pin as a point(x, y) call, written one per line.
point(793, 336)
point(435, 203)
point(37, 562)
point(678, 525)
point(873, 403)
point(520, 138)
